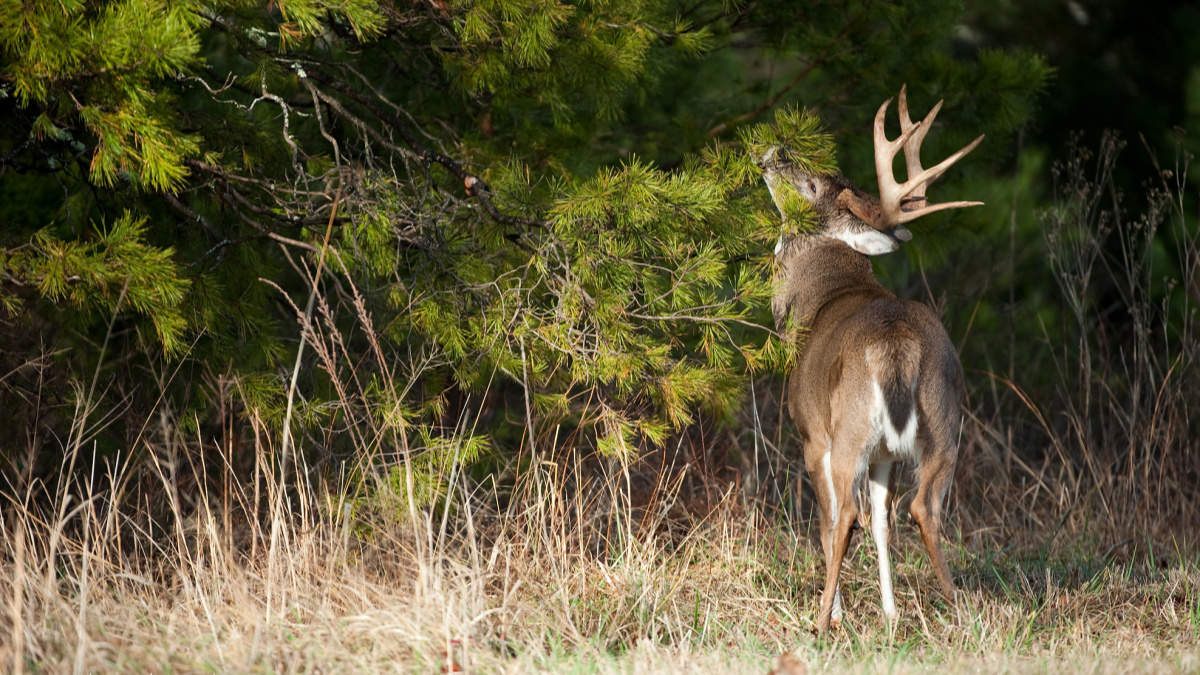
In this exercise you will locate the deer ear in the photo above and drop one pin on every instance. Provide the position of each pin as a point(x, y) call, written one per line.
point(866, 209)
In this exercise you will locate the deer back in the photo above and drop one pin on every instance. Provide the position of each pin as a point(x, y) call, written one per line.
point(858, 335)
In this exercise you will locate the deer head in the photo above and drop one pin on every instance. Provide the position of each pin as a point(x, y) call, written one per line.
point(868, 224)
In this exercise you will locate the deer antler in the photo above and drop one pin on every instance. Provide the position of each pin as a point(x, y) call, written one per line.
point(901, 203)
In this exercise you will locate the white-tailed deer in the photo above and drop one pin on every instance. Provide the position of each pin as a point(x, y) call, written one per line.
point(877, 379)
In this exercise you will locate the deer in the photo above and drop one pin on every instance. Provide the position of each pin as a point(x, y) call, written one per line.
point(876, 380)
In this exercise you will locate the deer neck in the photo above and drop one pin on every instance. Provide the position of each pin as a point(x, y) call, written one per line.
point(819, 278)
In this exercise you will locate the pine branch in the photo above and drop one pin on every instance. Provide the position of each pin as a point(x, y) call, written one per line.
point(474, 185)
point(177, 204)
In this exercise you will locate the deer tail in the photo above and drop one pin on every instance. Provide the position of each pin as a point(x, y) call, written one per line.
point(895, 366)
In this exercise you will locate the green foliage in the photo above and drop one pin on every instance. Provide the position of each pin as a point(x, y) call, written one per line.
point(518, 49)
point(103, 277)
point(800, 131)
point(99, 63)
point(800, 135)
point(557, 202)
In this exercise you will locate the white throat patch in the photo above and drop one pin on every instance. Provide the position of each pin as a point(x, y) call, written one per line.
point(868, 242)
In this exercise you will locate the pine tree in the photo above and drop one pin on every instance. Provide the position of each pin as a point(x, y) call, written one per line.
point(559, 197)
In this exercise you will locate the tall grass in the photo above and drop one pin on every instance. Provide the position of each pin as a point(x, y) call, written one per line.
point(1072, 538)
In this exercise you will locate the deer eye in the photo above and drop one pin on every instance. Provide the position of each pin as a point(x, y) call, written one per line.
point(812, 187)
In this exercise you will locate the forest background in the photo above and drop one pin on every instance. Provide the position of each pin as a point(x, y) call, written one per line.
point(434, 335)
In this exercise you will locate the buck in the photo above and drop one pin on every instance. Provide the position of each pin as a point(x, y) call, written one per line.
point(877, 380)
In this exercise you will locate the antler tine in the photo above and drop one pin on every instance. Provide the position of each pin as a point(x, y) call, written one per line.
point(926, 177)
point(912, 149)
point(885, 153)
point(896, 200)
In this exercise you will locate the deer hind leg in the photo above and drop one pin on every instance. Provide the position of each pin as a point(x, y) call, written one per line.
point(880, 474)
point(935, 476)
point(822, 487)
point(838, 514)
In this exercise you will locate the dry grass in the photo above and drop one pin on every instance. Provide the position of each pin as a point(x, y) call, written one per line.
point(89, 587)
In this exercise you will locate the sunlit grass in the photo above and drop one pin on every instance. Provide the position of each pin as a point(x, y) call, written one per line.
point(728, 595)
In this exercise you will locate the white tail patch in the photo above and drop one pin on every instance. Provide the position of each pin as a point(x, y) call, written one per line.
point(900, 441)
point(833, 505)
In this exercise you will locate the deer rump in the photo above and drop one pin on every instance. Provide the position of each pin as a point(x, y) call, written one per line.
point(874, 365)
